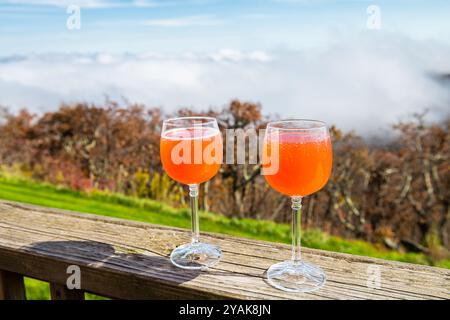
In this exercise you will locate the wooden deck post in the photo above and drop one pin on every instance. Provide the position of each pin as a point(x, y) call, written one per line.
point(60, 292)
point(11, 286)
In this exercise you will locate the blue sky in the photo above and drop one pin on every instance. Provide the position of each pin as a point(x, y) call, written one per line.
point(204, 25)
point(300, 58)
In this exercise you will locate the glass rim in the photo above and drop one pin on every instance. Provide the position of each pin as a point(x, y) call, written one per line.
point(194, 121)
point(317, 124)
point(173, 121)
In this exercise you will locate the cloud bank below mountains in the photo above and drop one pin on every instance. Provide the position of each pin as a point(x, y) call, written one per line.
point(363, 86)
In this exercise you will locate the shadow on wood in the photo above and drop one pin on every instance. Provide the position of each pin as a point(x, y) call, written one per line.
point(93, 254)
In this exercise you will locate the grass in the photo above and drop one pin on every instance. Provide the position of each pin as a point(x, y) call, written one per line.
point(40, 290)
point(120, 206)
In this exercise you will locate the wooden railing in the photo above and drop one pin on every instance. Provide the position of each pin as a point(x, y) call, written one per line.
point(129, 260)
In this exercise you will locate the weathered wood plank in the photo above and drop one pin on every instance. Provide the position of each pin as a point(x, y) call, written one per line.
point(129, 260)
point(11, 286)
point(61, 292)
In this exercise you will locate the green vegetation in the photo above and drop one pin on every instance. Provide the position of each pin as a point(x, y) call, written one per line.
point(40, 290)
point(120, 206)
point(37, 290)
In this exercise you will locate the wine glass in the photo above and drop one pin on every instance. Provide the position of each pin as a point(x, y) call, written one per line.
point(297, 160)
point(191, 153)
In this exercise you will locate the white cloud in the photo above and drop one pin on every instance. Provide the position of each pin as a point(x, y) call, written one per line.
point(363, 85)
point(200, 20)
point(145, 3)
point(90, 4)
point(298, 1)
point(236, 55)
point(65, 3)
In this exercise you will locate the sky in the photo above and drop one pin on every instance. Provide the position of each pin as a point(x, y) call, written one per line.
point(360, 64)
point(207, 25)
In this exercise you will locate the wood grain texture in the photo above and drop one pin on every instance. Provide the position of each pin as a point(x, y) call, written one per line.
point(11, 286)
point(129, 260)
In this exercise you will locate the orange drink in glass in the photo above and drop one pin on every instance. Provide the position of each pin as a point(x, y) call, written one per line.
point(198, 141)
point(297, 160)
point(304, 162)
point(191, 153)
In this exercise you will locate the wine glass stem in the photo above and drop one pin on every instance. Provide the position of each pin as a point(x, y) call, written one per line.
point(296, 228)
point(193, 194)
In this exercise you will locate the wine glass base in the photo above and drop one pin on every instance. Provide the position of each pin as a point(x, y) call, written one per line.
point(297, 276)
point(195, 256)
